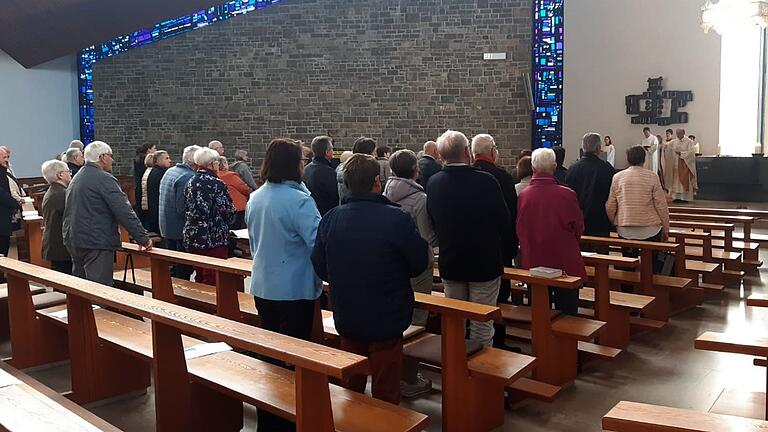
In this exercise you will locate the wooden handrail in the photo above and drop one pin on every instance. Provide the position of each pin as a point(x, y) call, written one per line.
point(703, 225)
point(449, 306)
point(235, 266)
point(758, 214)
point(597, 259)
point(308, 355)
point(635, 244)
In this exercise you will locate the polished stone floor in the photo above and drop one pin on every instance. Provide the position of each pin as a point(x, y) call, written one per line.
point(659, 367)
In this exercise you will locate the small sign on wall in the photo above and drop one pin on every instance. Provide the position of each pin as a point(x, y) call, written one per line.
point(658, 106)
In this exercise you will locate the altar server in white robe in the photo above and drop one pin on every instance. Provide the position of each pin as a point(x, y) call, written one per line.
point(678, 163)
point(651, 145)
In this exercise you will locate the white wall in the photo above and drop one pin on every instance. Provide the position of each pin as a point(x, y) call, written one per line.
point(38, 111)
point(613, 46)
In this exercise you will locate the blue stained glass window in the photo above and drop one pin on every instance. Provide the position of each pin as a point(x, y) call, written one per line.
point(163, 30)
point(548, 73)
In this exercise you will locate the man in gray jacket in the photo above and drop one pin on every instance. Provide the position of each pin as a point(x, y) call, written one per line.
point(94, 207)
point(241, 168)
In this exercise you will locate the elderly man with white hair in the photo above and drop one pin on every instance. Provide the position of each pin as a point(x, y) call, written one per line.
point(218, 146)
point(94, 207)
point(172, 208)
point(74, 159)
point(472, 223)
point(550, 224)
point(485, 155)
point(58, 176)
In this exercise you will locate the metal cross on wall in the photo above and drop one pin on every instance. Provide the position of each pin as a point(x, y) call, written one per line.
point(658, 106)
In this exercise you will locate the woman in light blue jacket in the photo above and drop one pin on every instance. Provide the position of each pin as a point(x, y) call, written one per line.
point(282, 221)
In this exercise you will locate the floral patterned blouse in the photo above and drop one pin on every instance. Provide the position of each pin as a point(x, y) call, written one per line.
point(209, 209)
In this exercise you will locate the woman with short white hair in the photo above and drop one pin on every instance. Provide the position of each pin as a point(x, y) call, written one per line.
point(209, 212)
point(58, 175)
point(549, 225)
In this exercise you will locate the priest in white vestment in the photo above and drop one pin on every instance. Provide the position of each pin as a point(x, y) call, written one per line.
point(678, 164)
point(651, 145)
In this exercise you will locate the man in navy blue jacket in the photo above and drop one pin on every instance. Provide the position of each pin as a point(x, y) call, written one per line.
point(367, 250)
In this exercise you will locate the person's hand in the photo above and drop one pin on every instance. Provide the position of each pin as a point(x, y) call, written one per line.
point(664, 236)
point(147, 246)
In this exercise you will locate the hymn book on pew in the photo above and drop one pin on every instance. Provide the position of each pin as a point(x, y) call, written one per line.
point(546, 272)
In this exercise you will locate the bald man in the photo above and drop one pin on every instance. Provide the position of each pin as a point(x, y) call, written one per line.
point(678, 164)
point(428, 163)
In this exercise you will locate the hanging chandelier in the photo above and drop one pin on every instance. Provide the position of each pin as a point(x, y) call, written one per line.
point(727, 14)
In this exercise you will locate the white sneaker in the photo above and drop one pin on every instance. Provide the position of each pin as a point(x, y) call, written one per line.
point(420, 387)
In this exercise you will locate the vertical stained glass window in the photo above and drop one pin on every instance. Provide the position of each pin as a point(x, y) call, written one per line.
point(163, 30)
point(548, 73)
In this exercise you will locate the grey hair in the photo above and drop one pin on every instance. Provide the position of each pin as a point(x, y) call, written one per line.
point(345, 155)
point(206, 156)
point(77, 144)
point(215, 143)
point(543, 160)
point(451, 145)
point(188, 156)
point(95, 149)
point(223, 160)
point(483, 144)
point(240, 155)
point(51, 170)
point(591, 142)
point(71, 154)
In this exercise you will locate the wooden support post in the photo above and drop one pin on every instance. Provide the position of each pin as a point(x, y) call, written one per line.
point(227, 304)
point(179, 403)
point(162, 284)
point(455, 374)
point(616, 333)
point(556, 358)
point(33, 231)
point(313, 402)
point(34, 342)
point(659, 308)
point(94, 364)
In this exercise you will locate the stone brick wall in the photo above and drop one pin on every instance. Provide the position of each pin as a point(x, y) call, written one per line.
point(401, 72)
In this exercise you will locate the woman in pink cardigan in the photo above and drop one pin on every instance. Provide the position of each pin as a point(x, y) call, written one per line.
point(549, 225)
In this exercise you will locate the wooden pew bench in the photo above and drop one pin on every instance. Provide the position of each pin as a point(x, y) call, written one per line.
point(758, 300)
point(474, 377)
point(190, 294)
point(706, 275)
point(640, 417)
point(745, 221)
point(648, 284)
point(29, 405)
point(738, 344)
point(749, 251)
point(204, 393)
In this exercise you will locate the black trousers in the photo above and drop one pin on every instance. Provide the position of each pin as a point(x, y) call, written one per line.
point(62, 266)
point(292, 318)
point(635, 253)
point(180, 271)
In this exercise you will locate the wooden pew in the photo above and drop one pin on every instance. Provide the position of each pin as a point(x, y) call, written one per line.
point(757, 214)
point(738, 344)
point(611, 306)
point(230, 274)
point(711, 273)
point(640, 417)
point(28, 405)
point(757, 300)
point(554, 346)
point(480, 383)
point(745, 221)
point(205, 393)
point(656, 286)
point(750, 250)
